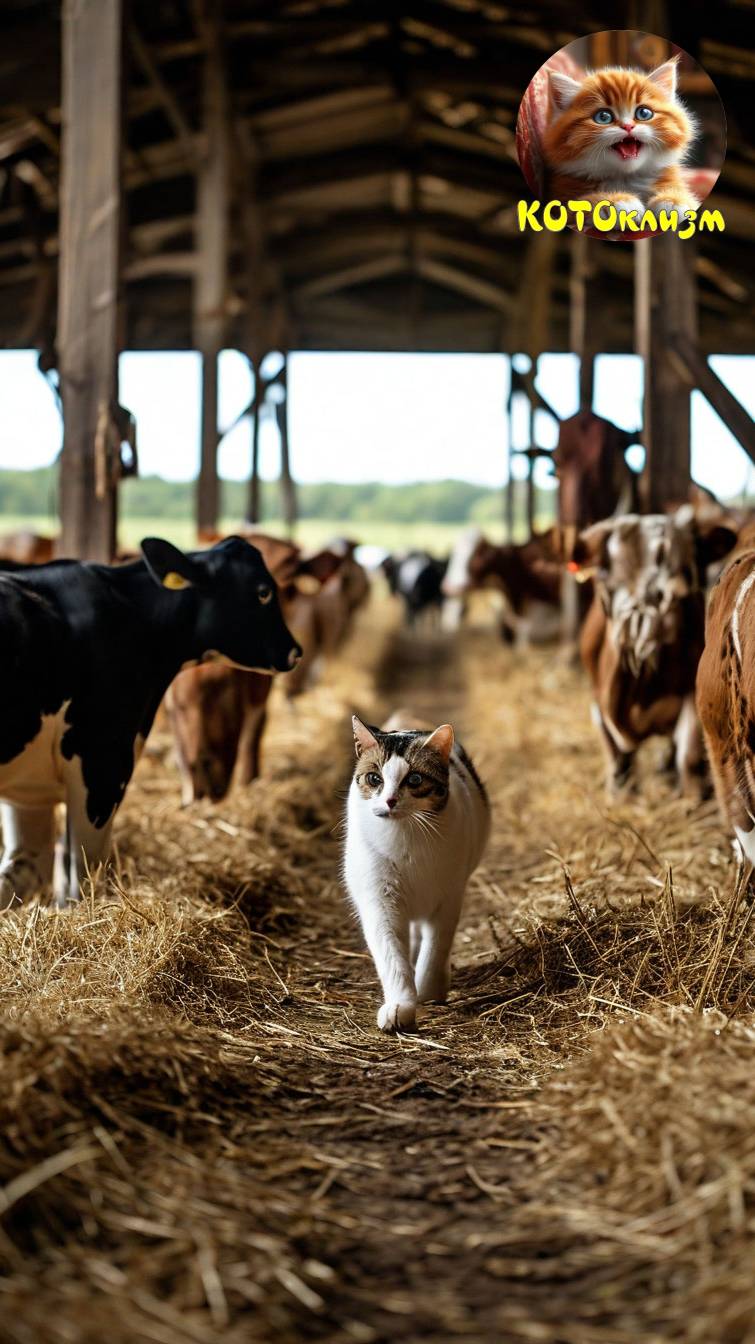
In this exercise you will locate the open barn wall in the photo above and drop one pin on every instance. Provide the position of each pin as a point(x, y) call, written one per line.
point(377, 144)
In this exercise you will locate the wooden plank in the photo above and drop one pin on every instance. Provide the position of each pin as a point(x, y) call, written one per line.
point(665, 309)
point(88, 305)
point(462, 282)
point(583, 314)
point(211, 278)
point(699, 373)
point(287, 485)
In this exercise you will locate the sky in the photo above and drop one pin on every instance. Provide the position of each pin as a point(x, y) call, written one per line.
point(360, 417)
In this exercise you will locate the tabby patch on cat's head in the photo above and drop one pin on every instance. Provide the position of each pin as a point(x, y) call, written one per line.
point(616, 124)
point(402, 773)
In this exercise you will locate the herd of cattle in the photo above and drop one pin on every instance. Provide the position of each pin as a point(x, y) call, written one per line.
point(91, 652)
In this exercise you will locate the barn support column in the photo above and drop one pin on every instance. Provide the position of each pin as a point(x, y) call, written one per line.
point(665, 309)
point(287, 486)
point(508, 498)
point(581, 319)
point(89, 289)
point(212, 257)
point(254, 507)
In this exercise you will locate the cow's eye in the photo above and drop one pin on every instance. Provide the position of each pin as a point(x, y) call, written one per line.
point(603, 116)
point(643, 113)
point(265, 594)
point(373, 779)
point(414, 779)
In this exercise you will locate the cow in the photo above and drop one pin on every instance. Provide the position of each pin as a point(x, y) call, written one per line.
point(26, 548)
point(726, 697)
point(416, 578)
point(217, 712)
point(322, 616)
point(528, 577)
point(88, 653)
point(644, 633)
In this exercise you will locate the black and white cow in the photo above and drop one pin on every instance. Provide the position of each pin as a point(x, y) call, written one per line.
point(417, 579)
point(88, 652)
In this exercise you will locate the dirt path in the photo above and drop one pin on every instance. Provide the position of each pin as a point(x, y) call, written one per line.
point(237, 1154)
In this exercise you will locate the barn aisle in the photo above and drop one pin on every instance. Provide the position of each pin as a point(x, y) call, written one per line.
point(219, 1144)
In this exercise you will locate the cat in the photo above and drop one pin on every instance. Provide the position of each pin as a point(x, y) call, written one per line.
point(619, 136)
point(417, 821)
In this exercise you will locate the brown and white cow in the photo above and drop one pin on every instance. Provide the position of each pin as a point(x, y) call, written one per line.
point(26, 548)
point(528, 577)
point(643, 635)
point(218, 712)
point(323, 615)
point(726, 696)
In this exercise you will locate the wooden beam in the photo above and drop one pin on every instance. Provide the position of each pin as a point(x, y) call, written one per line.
point(213, 188)
point(287, 485)
point(462, 282)
point(582, 314)
point(360, 274)
point(162, 90)
point(700, 375)
point(88, 311)
point(665, 309)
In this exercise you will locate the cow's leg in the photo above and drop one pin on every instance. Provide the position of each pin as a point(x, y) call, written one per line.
point(248, 759)
point(88, 845)
point(619, 762)
point(690, 754)
point(28, 850)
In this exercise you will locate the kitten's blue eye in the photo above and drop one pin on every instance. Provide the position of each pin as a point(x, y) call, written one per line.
point(414, 779)
point(643, 113)
point(373, 779)
point(602, 116)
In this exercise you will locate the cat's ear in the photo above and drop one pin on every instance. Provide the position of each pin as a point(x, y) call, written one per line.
point(441, 741)
point(563, 90)
point(363, 738)
point(665, 77)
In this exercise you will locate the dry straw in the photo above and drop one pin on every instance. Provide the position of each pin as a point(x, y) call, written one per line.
point(205, 1139)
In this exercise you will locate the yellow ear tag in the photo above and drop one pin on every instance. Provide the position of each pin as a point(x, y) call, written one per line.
point(175, 581)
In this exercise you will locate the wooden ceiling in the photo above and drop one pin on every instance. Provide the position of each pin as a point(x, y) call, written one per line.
point(373, 157)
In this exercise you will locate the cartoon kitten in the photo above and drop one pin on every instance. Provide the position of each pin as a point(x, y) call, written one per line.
point(620, 136)
point(417, 824)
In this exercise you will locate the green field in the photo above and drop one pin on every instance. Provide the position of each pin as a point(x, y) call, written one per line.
point(310, 532)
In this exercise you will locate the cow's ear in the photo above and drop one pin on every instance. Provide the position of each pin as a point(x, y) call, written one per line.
point(168, 566)
point(589, 551)
point(714, 541)
point(364, 739)
point(441, 741)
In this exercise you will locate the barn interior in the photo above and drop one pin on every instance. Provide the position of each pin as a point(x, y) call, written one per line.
point(206, 1139)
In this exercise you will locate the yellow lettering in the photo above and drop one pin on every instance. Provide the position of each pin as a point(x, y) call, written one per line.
point(604, 223)
point(527, 216)
point(581, 209)
point(649, 221)
point(555, 225)
point(688, 227)
point(628, 220)
point(668, 219)
point(712, 220)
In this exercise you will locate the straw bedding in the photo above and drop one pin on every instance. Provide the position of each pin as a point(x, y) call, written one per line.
point(206, 1139)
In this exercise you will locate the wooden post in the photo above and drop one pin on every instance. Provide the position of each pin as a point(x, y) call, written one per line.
point(665, 306)
point(581, 323)
point(253, 509)
point(530, 480)
point(509, 491)
point(212, 257)
point(90, 254)
point(288, 488)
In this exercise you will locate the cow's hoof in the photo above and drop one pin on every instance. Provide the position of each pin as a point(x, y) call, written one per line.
point(397, 1017)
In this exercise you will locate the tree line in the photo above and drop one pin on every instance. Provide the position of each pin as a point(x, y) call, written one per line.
point(33, 494)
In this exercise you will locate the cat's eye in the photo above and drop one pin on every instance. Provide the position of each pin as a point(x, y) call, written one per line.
point(373, 779)
point(414, 779)
point(265, 594)
point(643, 113)
point(603, 116)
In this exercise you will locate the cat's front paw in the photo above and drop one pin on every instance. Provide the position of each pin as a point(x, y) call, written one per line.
point(658, 203)
point(397, 1017)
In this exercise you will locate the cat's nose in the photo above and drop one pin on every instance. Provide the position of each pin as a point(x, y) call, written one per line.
point(627, 125)
point(391, 802)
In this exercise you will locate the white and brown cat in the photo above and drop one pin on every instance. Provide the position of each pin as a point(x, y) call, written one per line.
point(621, 136)
point(418, 820)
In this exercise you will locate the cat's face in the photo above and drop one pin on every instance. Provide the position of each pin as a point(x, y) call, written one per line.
point(616, 123)
point(404, 774)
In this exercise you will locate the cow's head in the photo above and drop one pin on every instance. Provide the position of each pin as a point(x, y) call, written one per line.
point(644, 568)
point(235, 610)
point(469, 565)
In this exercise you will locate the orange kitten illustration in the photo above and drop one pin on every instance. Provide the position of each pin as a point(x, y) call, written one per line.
point(619, 135)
